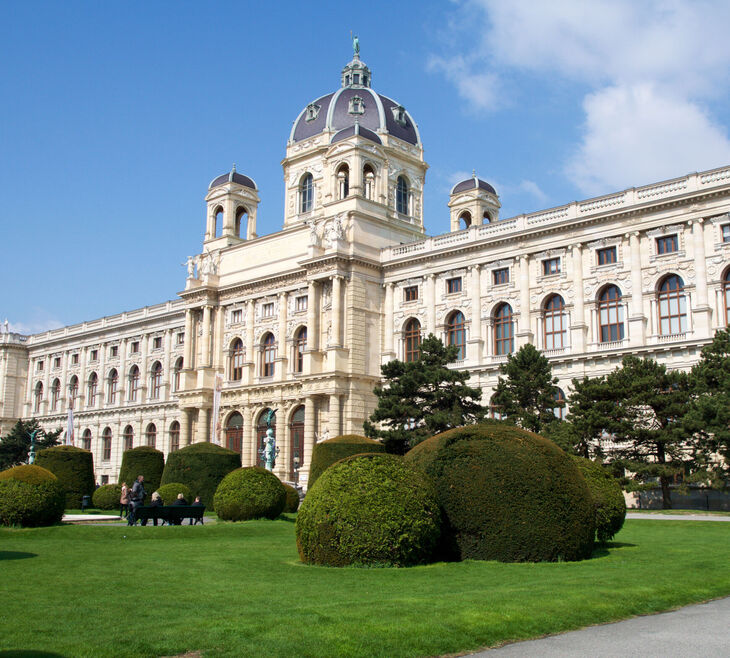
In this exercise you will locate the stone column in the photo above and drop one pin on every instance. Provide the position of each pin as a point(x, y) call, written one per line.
point(702, 311)
point(313, 316)
point(475, 338)
point(282, 442)
point(203, 428)
point(282, 352)
point(334, 416)
point(431, 304)
point(637, 320)
point(247, 437)
point(189, 339)
point(388, 352)
point(578, 326)
point(309, 429)
point(250, 356)
point(524, 333)
point(205, 352)
point(336, 310)
point(184, 428)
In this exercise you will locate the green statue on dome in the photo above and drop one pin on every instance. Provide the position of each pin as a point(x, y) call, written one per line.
point(356, 46)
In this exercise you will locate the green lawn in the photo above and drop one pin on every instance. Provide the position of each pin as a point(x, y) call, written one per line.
point(239, 589)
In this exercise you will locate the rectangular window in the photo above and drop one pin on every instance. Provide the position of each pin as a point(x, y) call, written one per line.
point(236, 316)
point(74, 359)
point(410, 293)
point(453, 285)
point(667, 244)
point(94, 355)
point(606, 256)
point(57, 362)
point(501, 276)
point(726, 233)
point(135, 347)
point(39, 366)
point(157, 343)
point(114, 350)
point(267, 310)
point(300, 303)
point(551, 266)
point(181, 338)
point(105, 478)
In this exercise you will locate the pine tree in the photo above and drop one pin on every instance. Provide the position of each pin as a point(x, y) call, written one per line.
point(15, 446)
point(421, 398)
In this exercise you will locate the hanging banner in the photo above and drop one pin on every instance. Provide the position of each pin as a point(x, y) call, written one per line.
point(215, 422)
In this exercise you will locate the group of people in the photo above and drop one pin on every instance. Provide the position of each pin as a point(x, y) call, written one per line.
point(133, 498)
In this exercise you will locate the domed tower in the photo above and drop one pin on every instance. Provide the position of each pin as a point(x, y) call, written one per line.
point(473, 201)
point(355, 152)
point(232, 204)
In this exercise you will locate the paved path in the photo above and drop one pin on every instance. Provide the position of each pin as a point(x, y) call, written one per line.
point(678, 517)
point(701, 631)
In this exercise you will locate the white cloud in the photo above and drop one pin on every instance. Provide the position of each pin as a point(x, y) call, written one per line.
point(480, 89)
point(533, 189)
point(39, 323)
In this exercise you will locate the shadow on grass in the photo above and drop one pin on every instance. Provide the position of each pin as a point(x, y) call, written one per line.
point(15, 555)
point(29, 653)
point(602, 550)
point(284, 517)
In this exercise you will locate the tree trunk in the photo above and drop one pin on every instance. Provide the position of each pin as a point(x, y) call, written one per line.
point(666, 499)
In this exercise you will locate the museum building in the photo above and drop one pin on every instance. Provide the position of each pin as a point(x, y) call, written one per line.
point(301, 320)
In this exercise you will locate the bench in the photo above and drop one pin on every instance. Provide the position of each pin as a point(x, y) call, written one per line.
point(172, 514)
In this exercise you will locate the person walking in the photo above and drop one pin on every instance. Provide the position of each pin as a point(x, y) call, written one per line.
point(136, 498)
point(124, 501)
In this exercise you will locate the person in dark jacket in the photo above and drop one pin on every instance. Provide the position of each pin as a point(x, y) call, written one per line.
point(178, 503)
point(196, 503)
point(136, 498)
point(155, 502)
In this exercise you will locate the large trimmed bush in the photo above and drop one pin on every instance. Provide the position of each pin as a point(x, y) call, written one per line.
point(249, 493)
point(30, 496)
point(169, 492)
point(74, 468)
point(370, 509)
point(328, 452)
point(292, 499)
point(200, 466)
point(508, 495)
point(142, 460)
point(107, 497)
point(608, 498)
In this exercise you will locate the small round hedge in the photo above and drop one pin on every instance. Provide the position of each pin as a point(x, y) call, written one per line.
point(370, 509)
point(292, 499)
point(328, 452)
point(200, 466)
point(508, 495)
point(74, 468)
point(30, 496)
point(249, 493)
point(142, 460)
point(608, 498)
point(169, 492)
point(107, 497)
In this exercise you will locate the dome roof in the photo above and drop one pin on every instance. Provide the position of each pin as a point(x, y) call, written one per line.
point(472, 184)
point(355, 103)
point(233, 177)
point(357, 129)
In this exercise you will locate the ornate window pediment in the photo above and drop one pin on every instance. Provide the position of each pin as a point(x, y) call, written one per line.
point(399, 114)
point(312, 111)
point(356, 106)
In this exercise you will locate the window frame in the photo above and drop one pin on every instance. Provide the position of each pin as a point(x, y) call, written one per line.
point(669, 300)
point(610, 309)
point(412, 340)
point(606, 256)
point(237, 359)
point(268, 355)
point(500, 276)
point(456, 333)
point(306, 193)
point(300, 346)
point(410, 293)
point(156, 381)
point(551, 314)
point(454, 285)
point(551, 266)
point(106, 445)
point(662, 243)
point(402, 194)
point(504, 330)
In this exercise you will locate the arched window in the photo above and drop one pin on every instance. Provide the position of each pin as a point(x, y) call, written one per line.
point(55, 394)
point(174, 436)
point(296, 432)
point(73, 391)
point(93, 386)
point(37, 397)
point(486, 219)
point(560, 410)
point(106, 444)
point(268, 355)
point(412, 340)
point(465, 220)
point(401, 195)
point(128, 438)
point(176, 374)
point(237, 358)
point(726, 295)
point(306, 193)
point(610, 315)
point(156, 380)
point(261, 435)
point(555, 328)
point(133, 383)
point(300, 346)
point(241, 221)
point(86, 440)
point(234, 432)
point(504, 330)
point(455, 333)
point(218, 228)
point(368, 175)
point(672, 306)
point(343, 182)
point(151, 435)
point(112, 386)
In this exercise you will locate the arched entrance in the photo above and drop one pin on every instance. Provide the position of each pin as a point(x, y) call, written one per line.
point(234, 432)
point(296, 432)
point(261, 435)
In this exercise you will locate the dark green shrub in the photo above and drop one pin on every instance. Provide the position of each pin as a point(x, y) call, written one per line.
point(201, 467)
point(249, 493)
point(107, 497)
point(608, 498)
point(169, 492)
point(292, 499)
point(30, 496)
point(142, 460)
point(328, 452)
point(74, 468)
point(370, 509)
point(507, 495)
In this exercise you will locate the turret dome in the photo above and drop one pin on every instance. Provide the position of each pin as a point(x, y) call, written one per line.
point(233, 177)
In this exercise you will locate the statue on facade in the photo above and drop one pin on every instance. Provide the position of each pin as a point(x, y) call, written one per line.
point(313, 236)
point(190, 263)
point(356, 46)
point(270, 452)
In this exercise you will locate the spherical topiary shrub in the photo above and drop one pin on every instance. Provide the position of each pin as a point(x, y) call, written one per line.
point(107, 496)
point(142, 460)
point(292, 499)
point(74, 468)
point(169, 492)
point(201, 467)
point(370, 509)
point(30, 496)
point(328, 452)
point(608, 498)
point(507, 495)
point(249, 493)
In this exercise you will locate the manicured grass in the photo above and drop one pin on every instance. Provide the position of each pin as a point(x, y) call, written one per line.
point(240, 590)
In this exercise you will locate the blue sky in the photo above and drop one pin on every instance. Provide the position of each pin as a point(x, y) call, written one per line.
point(115, 116)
